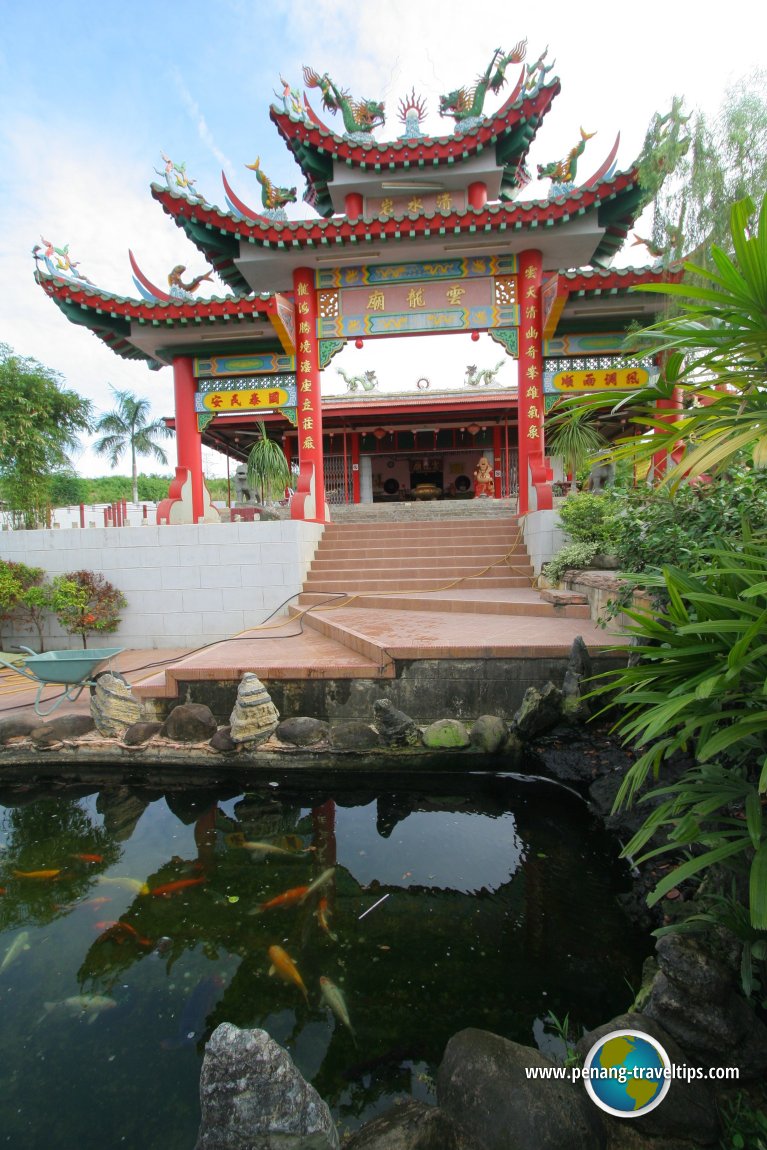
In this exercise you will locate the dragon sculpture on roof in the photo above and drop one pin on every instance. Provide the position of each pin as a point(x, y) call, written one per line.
point(360, 116)
point(466, 105)
point(273, 198)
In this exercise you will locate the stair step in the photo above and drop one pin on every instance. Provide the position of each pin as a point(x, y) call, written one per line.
point(424, 583)
point(422, 562)
point(525, 608)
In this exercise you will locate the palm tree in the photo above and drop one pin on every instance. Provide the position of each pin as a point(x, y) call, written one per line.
point(572, 435)
point(126, 429)
point(267, 466)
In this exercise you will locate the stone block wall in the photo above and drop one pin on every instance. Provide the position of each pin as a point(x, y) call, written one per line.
point(185, 585)
point(543, 536)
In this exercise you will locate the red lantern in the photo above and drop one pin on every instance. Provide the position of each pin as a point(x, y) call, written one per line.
point(474, 336)
point(358, 343)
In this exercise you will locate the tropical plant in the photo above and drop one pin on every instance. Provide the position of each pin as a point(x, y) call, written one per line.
point(126, 429)
point(39, 426)
point(572, 434)
point(591, 518)
point(268, 469)
point(571, 555)
point(85, 602)
point(696, 682)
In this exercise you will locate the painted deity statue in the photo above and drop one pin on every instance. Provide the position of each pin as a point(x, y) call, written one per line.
point(367, 381)
point(273, 198)
point(484, 377)
point(484, 484)
point(466, 105)
point(360, 116)
point(562, 172)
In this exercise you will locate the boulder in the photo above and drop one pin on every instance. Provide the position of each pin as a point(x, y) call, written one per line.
point(138, 733)
point(579, 667)
point(253, 1098)
point(446, 734)
point(720, 1029)
point(222, 741)
point(121, 810)
point(395, 727)
point(353, 735)
point(17, 728)
point(482, 1086)
point(302, 731)
point(488, 733)
point(60, 728)
point(255, 717)
point(687, 1112)
point(409, 1126)
point(113, 705)
point(540, 711)
point(189, 723)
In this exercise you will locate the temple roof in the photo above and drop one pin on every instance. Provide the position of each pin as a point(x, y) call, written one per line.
point(155, 332)
point(584, 226)
point(509, 132)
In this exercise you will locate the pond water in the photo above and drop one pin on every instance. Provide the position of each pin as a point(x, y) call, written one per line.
point(132, 922)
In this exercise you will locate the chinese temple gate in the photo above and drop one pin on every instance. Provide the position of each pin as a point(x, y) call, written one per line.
point(417, 235)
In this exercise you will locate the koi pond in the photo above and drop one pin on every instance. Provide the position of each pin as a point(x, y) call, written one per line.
point(134, 921)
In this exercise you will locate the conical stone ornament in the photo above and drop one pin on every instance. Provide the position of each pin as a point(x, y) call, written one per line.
point(113, 706)
point(255, 716)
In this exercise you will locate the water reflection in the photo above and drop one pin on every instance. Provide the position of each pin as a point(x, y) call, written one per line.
point(359, 929)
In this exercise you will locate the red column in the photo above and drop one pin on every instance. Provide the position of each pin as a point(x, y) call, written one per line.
point(497, 460)
point(477, 194)
point(355, 467)
point(534, 476)
point(353, 205)
point(309, 500)
point(188, 438)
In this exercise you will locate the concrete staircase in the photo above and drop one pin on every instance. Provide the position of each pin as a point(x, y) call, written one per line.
point(418, 555)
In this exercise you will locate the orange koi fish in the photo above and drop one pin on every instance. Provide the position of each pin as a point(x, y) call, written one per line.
point(287, 898)
point(89, 858)
point(99, 900)
point(37, 873)
point(2, 890)
point(114, 930)
point(322, 914)
point(283, 965)
point(105, 924)
point(179, 884)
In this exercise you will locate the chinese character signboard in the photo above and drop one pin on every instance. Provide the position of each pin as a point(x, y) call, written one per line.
point(601, 379)
point(243, 395)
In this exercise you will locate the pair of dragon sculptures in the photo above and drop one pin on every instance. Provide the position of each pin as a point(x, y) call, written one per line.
point(368, 381)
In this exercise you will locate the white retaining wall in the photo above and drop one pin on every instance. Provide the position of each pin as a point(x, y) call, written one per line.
point(185, 585)
point(543, 536)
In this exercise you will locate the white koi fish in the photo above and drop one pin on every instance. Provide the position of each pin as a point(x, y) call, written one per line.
point(335, 1000)
point(17, 947)
point(318, 883)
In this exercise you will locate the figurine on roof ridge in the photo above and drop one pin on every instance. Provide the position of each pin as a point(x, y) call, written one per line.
point(368, 381)
point(273, 198)
point(535, 74)
point(360, 116)
point(562, 172)
point(175, 176)
point(466, 105)
point(63, 265)
point(291, 101)
point(176, 286)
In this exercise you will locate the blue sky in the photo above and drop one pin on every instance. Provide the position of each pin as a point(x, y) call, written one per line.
point(92, 93)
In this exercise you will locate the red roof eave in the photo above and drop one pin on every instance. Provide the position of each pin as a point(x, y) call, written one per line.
point(339, 229)
point(432, 150)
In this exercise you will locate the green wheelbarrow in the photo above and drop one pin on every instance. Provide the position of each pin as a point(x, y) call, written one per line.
point(71, 669)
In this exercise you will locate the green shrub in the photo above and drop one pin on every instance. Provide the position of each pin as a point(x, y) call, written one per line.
point(591, 518)
point(571, 555)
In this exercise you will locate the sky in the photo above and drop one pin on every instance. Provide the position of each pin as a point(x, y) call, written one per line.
point(92, 94)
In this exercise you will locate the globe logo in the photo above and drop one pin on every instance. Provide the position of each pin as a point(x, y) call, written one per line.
point(627, 1073)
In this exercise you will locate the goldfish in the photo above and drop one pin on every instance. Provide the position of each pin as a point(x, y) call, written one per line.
point(171, 887)
point(287, 898)
point(114, 929)
point(105, 924)
point(318, 883)
point(322, 915)
point(19, 944)
point(37, 873)
point(89, 858)
point(131, 884)
point(80, 1005)
point(2, 890)
point(98, 901)
point(283, 965)
point(335, 1000)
